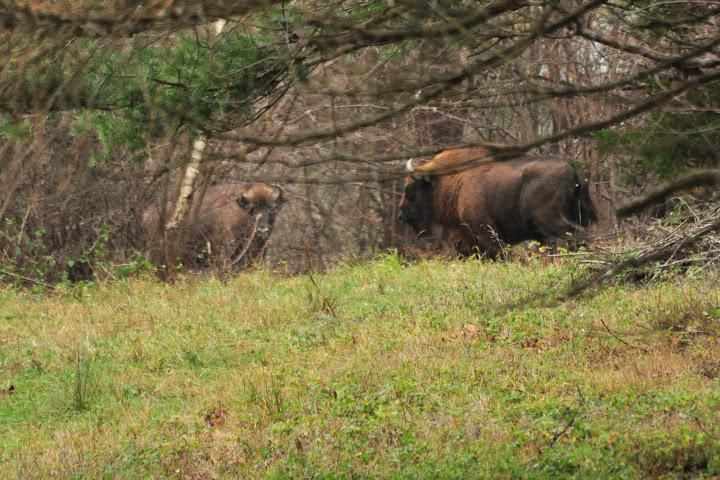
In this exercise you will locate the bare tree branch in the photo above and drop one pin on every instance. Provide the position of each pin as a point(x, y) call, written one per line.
point(164, 16)
point(701, 178)
point(634, 48)
point(436, 90)
point(457, 24)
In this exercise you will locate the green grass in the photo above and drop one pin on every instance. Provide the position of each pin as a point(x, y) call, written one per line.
point(372, 370)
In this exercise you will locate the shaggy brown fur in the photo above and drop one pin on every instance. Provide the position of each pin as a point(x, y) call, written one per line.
point(451, 161)
point(527, 198)
point(230, 220)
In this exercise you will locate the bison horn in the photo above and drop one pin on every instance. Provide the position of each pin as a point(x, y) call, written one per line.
point(412, 171)
point(409, 167)
point(279, 196)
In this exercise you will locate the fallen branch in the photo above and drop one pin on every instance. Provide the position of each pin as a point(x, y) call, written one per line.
point(685, 238)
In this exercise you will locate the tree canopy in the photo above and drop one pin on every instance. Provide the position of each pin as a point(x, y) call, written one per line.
point(137, 72)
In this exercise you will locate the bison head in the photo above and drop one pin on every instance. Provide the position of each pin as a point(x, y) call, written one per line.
point(416, 204)
point(261, 202)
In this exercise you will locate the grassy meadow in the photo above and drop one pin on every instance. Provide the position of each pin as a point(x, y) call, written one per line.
point(431, 370)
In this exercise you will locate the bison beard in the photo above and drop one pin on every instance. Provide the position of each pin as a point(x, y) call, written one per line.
point(526, 198)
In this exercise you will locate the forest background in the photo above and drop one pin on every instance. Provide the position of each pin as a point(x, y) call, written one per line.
point(106, 106)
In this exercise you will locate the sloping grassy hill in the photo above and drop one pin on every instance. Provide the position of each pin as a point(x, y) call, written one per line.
point(374, 370)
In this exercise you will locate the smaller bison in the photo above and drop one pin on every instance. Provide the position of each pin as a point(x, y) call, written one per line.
point(230, 227)
point(509, 201)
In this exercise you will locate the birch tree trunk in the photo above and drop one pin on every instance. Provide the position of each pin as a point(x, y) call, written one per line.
point(187, 184)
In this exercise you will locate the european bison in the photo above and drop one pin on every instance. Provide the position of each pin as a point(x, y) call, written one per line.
point(526, 198)
point(230, 227)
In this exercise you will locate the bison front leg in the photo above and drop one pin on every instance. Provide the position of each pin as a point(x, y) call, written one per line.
point(555, 231)
point(466, 242)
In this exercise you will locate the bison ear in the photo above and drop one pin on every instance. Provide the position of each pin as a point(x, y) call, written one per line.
point(244, 202)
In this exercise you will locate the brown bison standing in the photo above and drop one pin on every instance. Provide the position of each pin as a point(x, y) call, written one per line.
point(230, 227)
point(525, 198)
